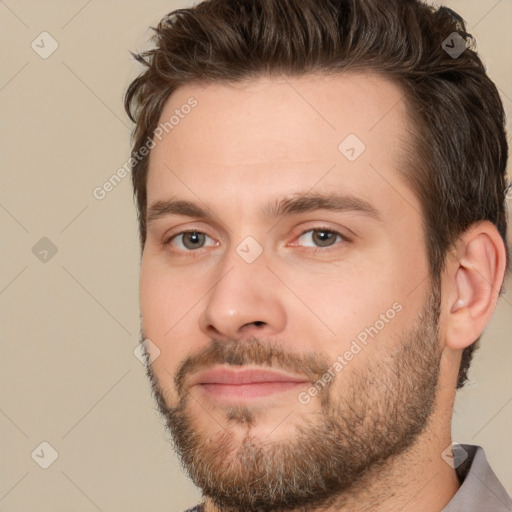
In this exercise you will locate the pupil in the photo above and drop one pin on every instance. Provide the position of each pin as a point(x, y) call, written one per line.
point(323, 238)
point(192, 240)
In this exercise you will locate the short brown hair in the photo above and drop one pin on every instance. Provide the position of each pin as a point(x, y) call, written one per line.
point(459, 138)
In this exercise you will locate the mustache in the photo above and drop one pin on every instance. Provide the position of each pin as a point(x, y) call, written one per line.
point(252, 351)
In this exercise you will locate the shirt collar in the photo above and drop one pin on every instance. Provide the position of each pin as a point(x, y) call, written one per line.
point(480, 489)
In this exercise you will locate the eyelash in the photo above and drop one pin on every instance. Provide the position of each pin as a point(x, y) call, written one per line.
point(195, 253)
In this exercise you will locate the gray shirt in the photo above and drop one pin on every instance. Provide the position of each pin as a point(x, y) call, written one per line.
point(480, 489)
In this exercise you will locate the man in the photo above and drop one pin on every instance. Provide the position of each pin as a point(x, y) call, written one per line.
point(321, 193)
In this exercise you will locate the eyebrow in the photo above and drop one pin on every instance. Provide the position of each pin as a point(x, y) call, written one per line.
point(297, 203)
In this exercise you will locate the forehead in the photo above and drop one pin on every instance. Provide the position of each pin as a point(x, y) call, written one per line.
point(280, 134)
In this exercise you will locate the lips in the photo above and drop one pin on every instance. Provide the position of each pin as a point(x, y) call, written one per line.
point(245, 383)
point(244, 376)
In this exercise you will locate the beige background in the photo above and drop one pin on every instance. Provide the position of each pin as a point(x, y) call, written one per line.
point(70, 325)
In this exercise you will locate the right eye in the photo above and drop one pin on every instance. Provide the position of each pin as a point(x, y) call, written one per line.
point(188, 241)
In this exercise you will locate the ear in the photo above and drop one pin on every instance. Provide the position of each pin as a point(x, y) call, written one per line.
point(474, 277)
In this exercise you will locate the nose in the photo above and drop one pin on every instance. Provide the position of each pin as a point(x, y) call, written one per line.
point(245, 300)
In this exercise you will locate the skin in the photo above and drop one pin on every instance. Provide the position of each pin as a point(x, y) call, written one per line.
point(249, 144)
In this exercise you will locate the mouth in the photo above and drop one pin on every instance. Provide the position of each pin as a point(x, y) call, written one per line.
point(245, 384)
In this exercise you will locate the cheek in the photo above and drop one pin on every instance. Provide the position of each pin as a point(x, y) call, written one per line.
point(154, 297)
point(166, 295)
point(357, 308)
point(345, 297)
point(169, 309)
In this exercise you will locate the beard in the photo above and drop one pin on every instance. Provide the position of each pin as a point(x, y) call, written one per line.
point(377, 412)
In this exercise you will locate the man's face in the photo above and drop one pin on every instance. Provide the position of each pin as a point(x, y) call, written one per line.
point(309, 261)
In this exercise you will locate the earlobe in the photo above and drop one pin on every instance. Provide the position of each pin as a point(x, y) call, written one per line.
point(475, 278)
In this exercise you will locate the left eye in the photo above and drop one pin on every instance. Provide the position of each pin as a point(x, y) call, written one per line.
point(321, 237)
